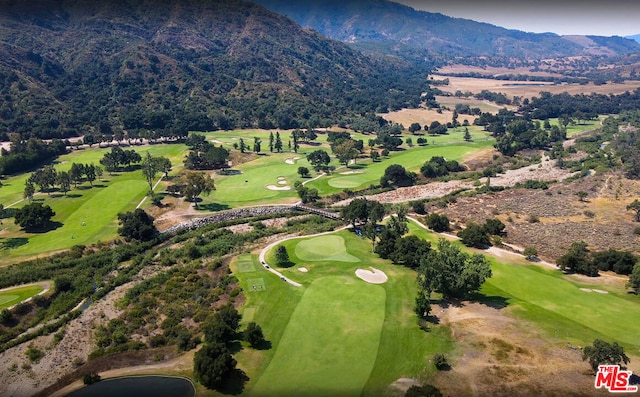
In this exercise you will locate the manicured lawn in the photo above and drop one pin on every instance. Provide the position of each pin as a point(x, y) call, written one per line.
point(366, 173)
point(336, 335)
point(16, 295)
point(87, 214)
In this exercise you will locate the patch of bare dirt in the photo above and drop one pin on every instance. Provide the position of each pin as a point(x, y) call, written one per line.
point(498, 355)
point(602, 220)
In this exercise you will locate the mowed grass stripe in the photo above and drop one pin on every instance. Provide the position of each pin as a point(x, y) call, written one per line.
point(330, 344)
point(538, 290)
point(324, 248)
point(16, 295)
point(99, 215)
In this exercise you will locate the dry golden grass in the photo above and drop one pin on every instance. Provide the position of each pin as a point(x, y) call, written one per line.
point(528, 89)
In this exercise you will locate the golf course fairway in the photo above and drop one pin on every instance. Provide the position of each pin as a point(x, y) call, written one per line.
point(331, 342)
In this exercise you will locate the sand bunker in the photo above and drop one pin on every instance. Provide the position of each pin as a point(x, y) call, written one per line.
point(373, 276)
point(291, 160)
point(274, 187)
point(303, 269)
point(351, 172)
point(282, 182)
point(599, 291)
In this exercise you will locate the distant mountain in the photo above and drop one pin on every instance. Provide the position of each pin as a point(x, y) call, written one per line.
point(634, 37)
point(392, 25)
point(71, 67)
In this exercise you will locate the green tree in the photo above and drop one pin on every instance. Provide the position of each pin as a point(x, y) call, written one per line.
point(278, 144)
point(149, 170)
point(64, 180)
point(197, 183)
point(474, 236)
point(282, 256)
point(345, 151)
point(137, 225)
point(318, 159)
point(530, 253)
point(243, 146)
point(467, 135)
point(303, 172)
point(271, 141)
point(212, 364)
point(494, 227)
point(635, 206)
point(452, 272)
point(582, 195)
point(29, 190)
point(438, 223)
point(253, 334)
point(634, 279)
point(363, 211)
point(397, 175)
point(90, 173)
point(604, 353)
point(414, 127)
point(257, 142)
point(422, 306)
point(33, 216)
point(577, 260)
point(163, 165)
point(76, 172)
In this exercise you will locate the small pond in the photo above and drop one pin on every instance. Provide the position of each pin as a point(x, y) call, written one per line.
point(138, 386)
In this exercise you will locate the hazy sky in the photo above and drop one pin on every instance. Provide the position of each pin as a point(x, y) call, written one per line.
point(601, 18)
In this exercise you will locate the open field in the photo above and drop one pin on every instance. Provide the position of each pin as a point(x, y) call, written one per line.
point(528, 89)
point(13, 296)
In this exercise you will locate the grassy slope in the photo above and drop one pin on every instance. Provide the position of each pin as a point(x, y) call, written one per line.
point(96, 206)
point(555, 302)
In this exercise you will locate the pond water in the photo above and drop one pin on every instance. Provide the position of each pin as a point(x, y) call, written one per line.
point(138, 386)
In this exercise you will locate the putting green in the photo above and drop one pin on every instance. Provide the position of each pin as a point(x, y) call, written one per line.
point(347, 181)
point(324, 248)
point(16, 295)
point(330, 344)
point(8, 298)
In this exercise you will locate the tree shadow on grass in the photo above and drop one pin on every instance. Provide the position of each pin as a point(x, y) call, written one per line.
point(212, 207)
point(234, 383)
point(285, 265)
point(73, 195)
point(46, 228)
point(496, 302)
point(14, 242)
point(264, 345)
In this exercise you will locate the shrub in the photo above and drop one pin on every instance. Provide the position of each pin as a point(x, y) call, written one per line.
point(533, 219)
point(34, 354)
point(91, 378)
point(440, 361)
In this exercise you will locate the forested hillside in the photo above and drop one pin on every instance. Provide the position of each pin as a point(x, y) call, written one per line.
point(164, 67)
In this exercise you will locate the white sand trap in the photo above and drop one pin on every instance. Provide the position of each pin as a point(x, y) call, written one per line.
point(291, 160)
point(303, 269)
point(274, 187)
point(282, 182)
point(281, 178)
point(373, 276)
point(599, 291)
point(351, 172)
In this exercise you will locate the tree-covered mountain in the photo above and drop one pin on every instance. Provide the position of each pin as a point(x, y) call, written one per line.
point(390, 26)
point(70, 67)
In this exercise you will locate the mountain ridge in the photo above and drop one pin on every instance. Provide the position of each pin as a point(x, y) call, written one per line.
point(360, 21)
